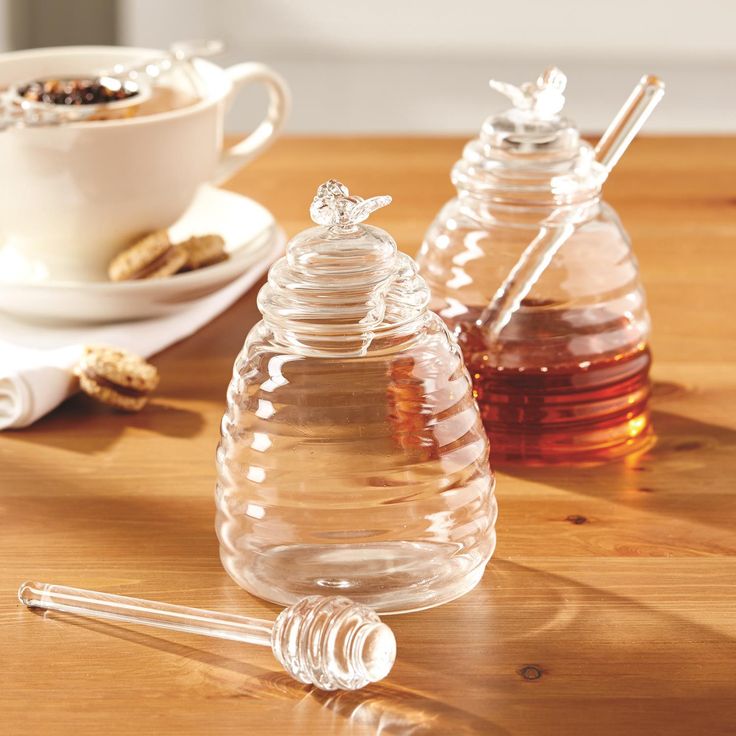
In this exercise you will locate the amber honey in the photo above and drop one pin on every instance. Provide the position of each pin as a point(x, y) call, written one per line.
point(588, 411)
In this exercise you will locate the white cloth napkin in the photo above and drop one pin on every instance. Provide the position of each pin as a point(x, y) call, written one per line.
point(36, 361)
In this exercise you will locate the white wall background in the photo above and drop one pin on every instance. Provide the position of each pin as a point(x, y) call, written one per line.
point(422, 66)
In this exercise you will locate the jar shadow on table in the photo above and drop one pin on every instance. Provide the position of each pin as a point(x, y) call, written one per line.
point(97, 427)
point(688, 457)
point(384, 709)
point(543, 644)
point(460, 664)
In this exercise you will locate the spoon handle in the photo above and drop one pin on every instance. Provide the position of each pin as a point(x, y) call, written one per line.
point(180, 52)
point(93, 604)
point(629, 119)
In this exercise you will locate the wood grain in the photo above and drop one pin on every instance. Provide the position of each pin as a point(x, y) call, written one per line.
point(610, 606)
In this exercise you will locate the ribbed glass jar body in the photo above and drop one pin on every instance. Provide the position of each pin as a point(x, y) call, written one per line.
point(352, 456)
point(566, 381)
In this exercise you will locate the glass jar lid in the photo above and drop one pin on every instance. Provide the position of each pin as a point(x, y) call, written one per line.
point(530, 152)
point(343, 287)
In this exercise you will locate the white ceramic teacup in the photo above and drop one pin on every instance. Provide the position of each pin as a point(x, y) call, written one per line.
point(72, 196)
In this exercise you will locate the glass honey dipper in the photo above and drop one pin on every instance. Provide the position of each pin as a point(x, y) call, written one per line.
point(332, 643)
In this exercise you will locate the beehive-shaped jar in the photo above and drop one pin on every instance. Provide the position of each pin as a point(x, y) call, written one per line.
point(352, 459)
point(564, 379)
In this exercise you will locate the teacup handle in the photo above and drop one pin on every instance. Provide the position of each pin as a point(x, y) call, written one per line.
point(279, 102)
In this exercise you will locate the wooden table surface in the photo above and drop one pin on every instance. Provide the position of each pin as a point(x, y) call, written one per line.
point(609, 608)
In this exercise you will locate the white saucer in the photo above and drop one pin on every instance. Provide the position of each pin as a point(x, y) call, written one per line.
point(251, 237)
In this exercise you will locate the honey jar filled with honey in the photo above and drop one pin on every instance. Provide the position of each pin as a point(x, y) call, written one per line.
point(535, 274)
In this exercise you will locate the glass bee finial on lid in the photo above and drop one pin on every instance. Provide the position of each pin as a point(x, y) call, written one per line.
point(544, 98)
point(334, 205)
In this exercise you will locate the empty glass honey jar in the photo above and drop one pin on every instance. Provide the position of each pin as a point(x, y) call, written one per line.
point(352, 458)
point(536, 276)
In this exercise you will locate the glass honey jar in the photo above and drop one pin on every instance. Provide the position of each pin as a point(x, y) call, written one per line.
point(352, 457)
point(535, 275)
